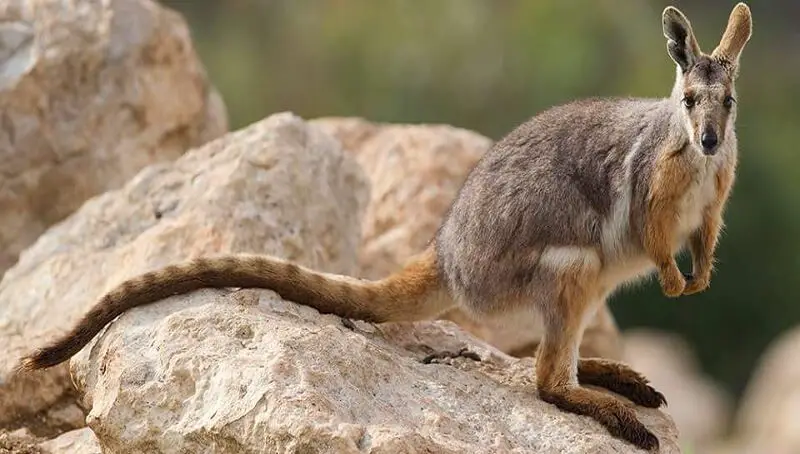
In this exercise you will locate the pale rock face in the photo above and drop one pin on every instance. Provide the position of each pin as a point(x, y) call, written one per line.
point(20, 441)
point(278, 186)
point(699, 406)
point(80, 441)
point(416, 171)
point(244, 371)
point(91, 91)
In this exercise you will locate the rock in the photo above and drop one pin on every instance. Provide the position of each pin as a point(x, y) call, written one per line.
point(519, 336)
point(699, 406)
point(90, 92)
point(19, 442)
point(416, 172)
point(768, 419)
point(81, 441)
point(278, 186)
point(244, 371)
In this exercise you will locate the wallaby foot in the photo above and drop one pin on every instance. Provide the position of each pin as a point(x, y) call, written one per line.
point(621, 379)
point(444, 355)
point(558, 368)
point(615, 416)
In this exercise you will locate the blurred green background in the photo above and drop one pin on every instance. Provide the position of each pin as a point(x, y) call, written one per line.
point(489, 65)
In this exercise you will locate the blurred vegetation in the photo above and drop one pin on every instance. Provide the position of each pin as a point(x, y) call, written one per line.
point(489, 65)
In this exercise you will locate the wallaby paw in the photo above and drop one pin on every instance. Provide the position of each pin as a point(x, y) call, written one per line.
point(618, 419)
point(673, 284)
point(445, 355)
point(696, 284)
point(641, 394)
point(619, 378)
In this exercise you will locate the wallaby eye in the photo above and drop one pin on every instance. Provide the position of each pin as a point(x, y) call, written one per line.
point(728, 102)
point(688, 101)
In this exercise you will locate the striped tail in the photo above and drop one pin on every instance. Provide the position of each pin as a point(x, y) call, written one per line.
point(413, 293)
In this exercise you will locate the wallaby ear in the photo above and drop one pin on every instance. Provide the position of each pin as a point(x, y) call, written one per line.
point(737, 33)
point(681, 43)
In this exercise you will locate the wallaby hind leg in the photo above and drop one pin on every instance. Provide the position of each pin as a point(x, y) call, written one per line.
point(557, 370)
point(619, 378)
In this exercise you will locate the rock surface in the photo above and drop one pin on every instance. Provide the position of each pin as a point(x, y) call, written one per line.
point(278, 186)
point(91, 91)
point(699, 406)
point(20, 441)
point(80, 441)
point(416, 172)
point(244, 371)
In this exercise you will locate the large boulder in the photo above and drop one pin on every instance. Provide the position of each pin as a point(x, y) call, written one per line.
point(278, 186)
point(245, 371)
point(416, 171)
point(91, 91)
point(231, 371)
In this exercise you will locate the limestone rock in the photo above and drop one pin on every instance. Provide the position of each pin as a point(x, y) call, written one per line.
point(699, 406)
point(416, 172)
point(245, 371)
point(20, 441)
point(91, 91)
point(80, 441)
point(768, 419)
point(278, 186)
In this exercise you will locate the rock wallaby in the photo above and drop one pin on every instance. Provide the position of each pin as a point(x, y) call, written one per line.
point(569, 206)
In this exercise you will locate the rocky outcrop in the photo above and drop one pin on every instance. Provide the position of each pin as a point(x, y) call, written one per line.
point(244, 371)
point(416, 172)
point(90, 92)
point(278, 186)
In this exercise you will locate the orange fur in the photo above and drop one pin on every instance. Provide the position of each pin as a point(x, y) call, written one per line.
point(670, 179)
point(704, 242)
point(560, 372)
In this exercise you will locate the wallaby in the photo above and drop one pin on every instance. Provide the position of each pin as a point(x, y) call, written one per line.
point(570, 205)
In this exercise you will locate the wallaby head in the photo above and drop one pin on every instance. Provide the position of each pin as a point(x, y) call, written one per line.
point(704, 92)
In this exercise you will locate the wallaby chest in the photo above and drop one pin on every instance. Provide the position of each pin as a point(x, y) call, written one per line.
point(699, 192)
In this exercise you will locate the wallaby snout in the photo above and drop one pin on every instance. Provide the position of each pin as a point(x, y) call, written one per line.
point(708, 139)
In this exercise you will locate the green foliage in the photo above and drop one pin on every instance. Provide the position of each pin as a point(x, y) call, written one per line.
point(488, 65)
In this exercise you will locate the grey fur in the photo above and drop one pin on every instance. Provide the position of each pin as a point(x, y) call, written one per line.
point(553, 181)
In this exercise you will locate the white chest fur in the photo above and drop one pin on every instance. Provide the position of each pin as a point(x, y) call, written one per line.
point(628, 262)
point(699, 194)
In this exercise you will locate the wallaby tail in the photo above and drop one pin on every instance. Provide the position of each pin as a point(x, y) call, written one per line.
point(413, 293)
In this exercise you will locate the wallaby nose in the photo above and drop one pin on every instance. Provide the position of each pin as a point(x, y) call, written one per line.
point(708, 140)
